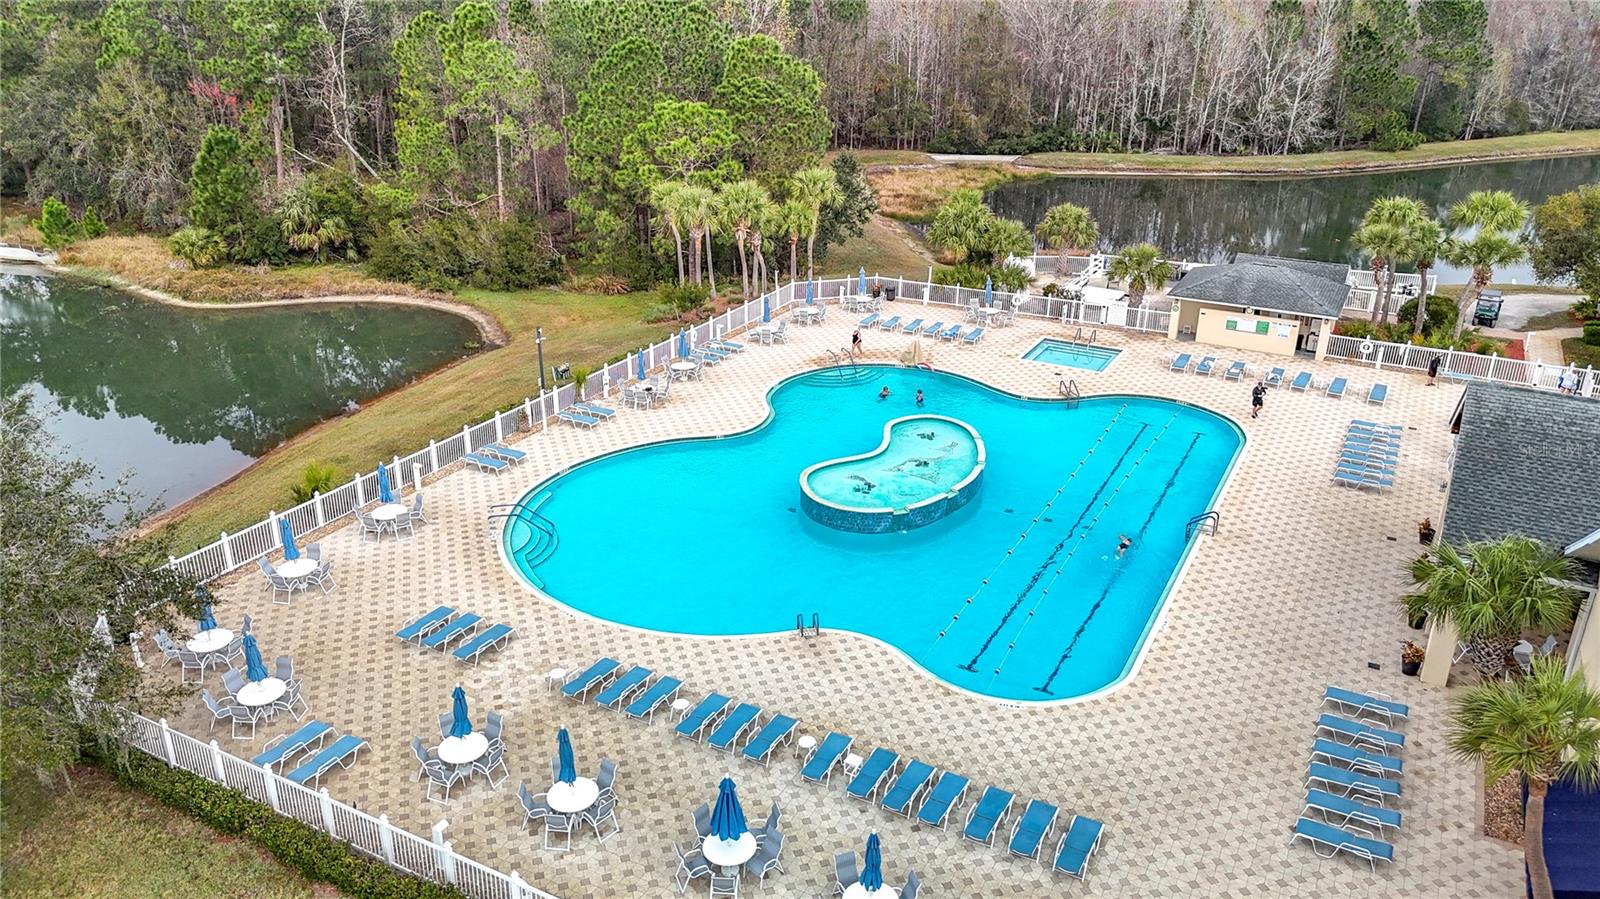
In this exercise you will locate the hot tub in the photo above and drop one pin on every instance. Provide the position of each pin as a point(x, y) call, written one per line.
point(927, 467)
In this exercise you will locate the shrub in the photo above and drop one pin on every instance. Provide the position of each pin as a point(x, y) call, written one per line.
point(1354, 328)
point(55, 224)
point(316, 478)
point(91, 225)
point(200, 247)
point(309, 851)
point(685, 298)
point(1441, 315)
point(1591, 332)
point(1010, 276)
point(1586, 309)
point(446, 253)
point(963, 274)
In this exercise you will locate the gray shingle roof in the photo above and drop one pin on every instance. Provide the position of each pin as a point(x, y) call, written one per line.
point(1527, 462)
point(1291, 286)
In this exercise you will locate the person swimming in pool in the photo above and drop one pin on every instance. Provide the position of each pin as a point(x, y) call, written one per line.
point(1123, 545)
point(884, 393)
point(919, 396)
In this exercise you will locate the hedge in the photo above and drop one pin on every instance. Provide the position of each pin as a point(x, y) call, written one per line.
point(296, 845)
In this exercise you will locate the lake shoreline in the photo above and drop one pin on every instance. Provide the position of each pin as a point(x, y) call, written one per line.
point(1316, 171)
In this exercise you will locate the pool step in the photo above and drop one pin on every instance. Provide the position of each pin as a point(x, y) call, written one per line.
point(841, 376)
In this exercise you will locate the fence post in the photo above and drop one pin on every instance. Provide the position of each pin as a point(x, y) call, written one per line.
point(1494, 362)
point(433, 455)
point(327, 812)
point(361, 498)
point(227, 552)
point(316, 504)
point(277, 532)
point(270, 779)
point(442, 848)
point(466, 439)
point(166, 743)
point(499, 429)
point(386, 839)
point(527, 411)
point(519, 887)
point(216, 762)
point(416, 476)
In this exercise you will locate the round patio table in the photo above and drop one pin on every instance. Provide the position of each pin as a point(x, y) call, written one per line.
point(261, 692)
point(729, 854)
point(463, 750)
point(571, 798)
point(387, 513)
point(296, 568)
point(209, 641)
point(681, 370)
point(857, 891)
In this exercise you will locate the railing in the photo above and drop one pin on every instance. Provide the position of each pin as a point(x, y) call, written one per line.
point(1200, 522)
point(1459, 365)
point(430, 859)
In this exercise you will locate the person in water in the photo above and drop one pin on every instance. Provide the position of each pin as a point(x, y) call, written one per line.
point(1123, 543)
point(919, 396)
point(884, 393)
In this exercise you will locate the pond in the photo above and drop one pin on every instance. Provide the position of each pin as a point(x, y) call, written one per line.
point(1209, 219)
point(182, 399)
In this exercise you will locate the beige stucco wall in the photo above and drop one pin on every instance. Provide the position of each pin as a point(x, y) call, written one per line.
point(1585, 650)
point(1211, 326)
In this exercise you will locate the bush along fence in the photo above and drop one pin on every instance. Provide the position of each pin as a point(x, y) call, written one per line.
point(323, 838)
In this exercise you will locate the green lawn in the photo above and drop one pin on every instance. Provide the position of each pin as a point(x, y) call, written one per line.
point(1579, 353)
point(1546, 144)
point(99, 840)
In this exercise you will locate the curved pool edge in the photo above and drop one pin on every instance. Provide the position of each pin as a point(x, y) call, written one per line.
point(863, 520)
point(1146, 636)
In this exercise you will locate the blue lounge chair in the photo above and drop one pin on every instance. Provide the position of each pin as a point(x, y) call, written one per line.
point(912, 326)
point(1077, 845)
point(421, 627)
point(1206, 366)
point(1235, 371)
point(709, 357)
point(868, 322)
point(614, 695)
point(600, 412)
point(1301, 382)
point(280, 750)
point(486, 463)
point(1367, 466)
point(1336, 388)
point(1319, 834)
point(1275, 378)
point(889, 324)
point(872, 773)
point(484, 641)
point(819, 766)
point(1378, 446)
point(946, 794)
point(501, 451)
point(647, 702)
point(589, 679)
point(1352, 703)
point(725, 736)
point(984, 818)
point(728, 345)
point(1377, 394)
point(973, 336)
point(694, 722)
point(1027, 834)
point(776, 732)
point(577, 418)
point(902, 794)
point(1375, 426)
point(1347, 478)
point(1341, 811)
point(1181, 363)
point(1356, 758)
point(342, 753)
point(950, 333)
point(459, 627)
point(1380, 789)
point(933, 329)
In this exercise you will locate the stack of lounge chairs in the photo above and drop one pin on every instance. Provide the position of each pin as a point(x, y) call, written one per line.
point(444, 627)
point(585, 415)
point(1368, 455)
point(305, 755)
point(1353, 777)
point(494, 457)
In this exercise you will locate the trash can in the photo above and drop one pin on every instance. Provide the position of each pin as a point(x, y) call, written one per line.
point(888, 292)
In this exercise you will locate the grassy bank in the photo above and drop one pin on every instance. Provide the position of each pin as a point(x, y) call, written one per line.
point(1329, 163)
point(1575, 351)
point(100, 839)
point(914, 194)
point(885, 246)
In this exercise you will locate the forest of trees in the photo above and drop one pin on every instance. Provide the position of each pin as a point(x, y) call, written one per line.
point(482, 140)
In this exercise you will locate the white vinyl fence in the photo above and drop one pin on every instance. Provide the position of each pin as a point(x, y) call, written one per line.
point(1454, 363)
point(430, 859)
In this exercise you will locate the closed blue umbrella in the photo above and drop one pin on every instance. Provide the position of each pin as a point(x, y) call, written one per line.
point(384, 493)
point(290, 551)
point(861, 280)
point(460, 721)
point(811, 297)
point(254, 668)
point(766, 309)
point(683, 343)
point(207, 622)
point(988, 291)
point(569, 771)
point(727, 819)
point(639, 364)
point(872, 865)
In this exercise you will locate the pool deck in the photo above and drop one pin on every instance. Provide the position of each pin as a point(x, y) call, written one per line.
point(1196, 765)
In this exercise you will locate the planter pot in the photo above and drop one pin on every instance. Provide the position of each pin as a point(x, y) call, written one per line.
point(1425, 537)
point(1410, 669)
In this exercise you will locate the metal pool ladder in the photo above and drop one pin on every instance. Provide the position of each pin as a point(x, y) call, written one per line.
point(1069, 389)
point(807, 632)
point(1199, 523)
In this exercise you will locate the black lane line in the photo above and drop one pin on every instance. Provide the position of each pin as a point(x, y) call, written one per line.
point(1117, 574)
point(972, 664)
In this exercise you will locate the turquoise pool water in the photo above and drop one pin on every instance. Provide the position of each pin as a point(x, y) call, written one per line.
point(1072, 355)
point(705, 537)
point(921, 458)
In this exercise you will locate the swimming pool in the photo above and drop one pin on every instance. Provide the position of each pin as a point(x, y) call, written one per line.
point(1071, 355)
point(706, 537)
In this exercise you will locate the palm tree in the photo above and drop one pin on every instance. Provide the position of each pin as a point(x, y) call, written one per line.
point(695, 211)
point(1424, 240)
point(793, 220)
point(1143, 268)
point(1542, 727)
point(764, 221)
point(1383, 242)
point(742, 202)
point(814, 188)
point(666, 197)
point(306, 229)
point(1067, 226)
point(1496, 215)
point(1491, 592)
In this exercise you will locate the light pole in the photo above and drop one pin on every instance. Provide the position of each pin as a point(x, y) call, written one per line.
point(538, 342)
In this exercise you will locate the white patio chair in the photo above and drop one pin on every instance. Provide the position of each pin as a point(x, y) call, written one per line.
point(494, 758)
point(691, 866)
point(599, 813)
point(441, 778)
point(557, 823)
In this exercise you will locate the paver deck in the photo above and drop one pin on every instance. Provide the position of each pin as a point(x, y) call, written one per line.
point(1196, 765)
